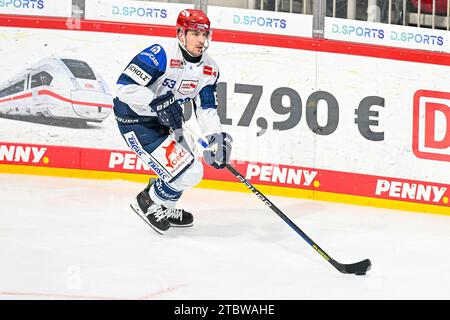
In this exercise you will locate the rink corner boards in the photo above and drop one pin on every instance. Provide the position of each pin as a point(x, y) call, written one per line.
point(234, 187)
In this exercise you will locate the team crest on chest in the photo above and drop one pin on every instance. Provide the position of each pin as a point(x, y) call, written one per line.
point(188, 86)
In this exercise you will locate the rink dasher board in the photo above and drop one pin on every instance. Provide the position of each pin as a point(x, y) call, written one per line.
point(274, 179)
point(406, 92)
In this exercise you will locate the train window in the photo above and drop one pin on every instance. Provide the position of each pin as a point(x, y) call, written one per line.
point(80, 69)
point(15, 88)
point(41, 79)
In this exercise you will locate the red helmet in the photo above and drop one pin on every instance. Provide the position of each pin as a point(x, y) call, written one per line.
point(193, 19)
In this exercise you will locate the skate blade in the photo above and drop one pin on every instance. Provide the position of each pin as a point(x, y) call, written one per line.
point(139, 212)
point(172, 225)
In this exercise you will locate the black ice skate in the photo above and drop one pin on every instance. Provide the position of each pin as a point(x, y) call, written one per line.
point(153, 214)
point(179, 217)
point(176, 217)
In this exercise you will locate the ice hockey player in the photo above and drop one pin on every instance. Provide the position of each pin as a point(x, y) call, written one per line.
point(148, 108)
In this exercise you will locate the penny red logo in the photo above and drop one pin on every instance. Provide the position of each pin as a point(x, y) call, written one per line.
point(176, 63)
point(431, 126)
point(210, 71)
point(22, 153)
point(411, 190)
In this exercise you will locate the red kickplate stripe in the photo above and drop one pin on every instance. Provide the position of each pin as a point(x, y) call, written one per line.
point(313, 179)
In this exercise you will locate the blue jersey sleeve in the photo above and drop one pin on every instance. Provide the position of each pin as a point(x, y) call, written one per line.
point(146, 67)
point(208, 96)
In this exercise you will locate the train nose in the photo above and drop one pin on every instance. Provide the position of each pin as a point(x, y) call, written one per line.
point(91, 105)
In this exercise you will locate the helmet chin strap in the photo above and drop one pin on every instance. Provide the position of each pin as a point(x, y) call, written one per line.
point(183, 43)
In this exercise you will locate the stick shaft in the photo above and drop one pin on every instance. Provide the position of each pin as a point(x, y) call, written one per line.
point(275, 209)
point(358, 268)
point(264, 199)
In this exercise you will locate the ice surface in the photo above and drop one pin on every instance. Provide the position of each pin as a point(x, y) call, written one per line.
point(63, 238)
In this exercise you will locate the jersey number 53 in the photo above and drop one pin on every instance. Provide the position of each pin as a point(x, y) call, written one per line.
point(169, 83)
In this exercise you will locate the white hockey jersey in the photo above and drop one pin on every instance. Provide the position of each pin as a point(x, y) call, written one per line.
point(156, 70)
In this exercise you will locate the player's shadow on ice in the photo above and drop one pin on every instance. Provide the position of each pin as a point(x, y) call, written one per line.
point(75, 124)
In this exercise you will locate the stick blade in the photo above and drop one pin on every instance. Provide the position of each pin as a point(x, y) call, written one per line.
point(358, 268)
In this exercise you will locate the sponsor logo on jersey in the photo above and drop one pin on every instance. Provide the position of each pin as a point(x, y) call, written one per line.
point(137, 74)
point(21, 154)
point(171, 157)
point(210, 71)
point(182, 101)
point(151, 57)
point(173, 154)
point(155, 49)
point(188, 86)
point(176, 63)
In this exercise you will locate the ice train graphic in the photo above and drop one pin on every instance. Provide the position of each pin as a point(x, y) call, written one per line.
point(57, 88)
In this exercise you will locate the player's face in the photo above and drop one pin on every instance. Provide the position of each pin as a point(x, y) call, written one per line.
point(195, 41)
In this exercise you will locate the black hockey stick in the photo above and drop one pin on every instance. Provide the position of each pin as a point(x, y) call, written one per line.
point(358, 268)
